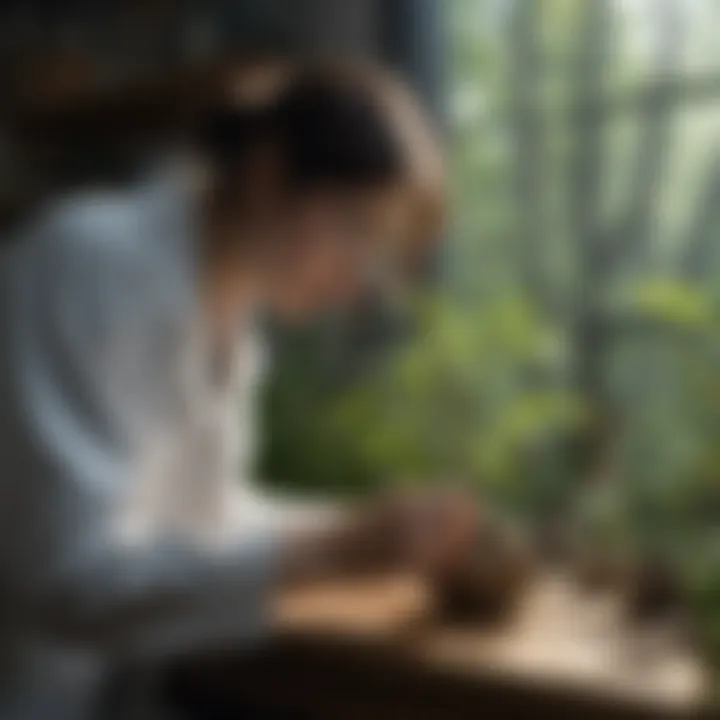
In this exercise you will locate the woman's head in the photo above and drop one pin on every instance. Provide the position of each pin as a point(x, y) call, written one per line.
point(323, 183)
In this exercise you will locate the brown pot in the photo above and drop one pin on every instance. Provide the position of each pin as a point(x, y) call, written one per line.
point(488, 585)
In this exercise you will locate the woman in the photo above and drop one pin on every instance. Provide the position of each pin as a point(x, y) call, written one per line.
point(124, 313)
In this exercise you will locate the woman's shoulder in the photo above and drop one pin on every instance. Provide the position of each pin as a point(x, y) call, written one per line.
point(93, 219)
point(94, 251)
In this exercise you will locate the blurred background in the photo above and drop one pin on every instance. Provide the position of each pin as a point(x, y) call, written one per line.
point(561, 354)
point(562, 357)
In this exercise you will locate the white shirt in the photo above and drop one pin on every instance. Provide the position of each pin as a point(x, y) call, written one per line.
point(117, 460)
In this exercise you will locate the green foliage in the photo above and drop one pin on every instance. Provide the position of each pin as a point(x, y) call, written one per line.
point(305, 448)
point(668, 442)
point(703, 583)
point(478, 397)
point(671, 304)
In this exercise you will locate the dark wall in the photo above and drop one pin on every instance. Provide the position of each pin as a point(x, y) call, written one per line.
point(128, 38)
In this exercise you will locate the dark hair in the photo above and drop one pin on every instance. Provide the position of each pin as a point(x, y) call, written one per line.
point(331, 130)
point(335, 127)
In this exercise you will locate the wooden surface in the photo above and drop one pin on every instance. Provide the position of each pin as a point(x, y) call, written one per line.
point(375, 648)
point(560, 636)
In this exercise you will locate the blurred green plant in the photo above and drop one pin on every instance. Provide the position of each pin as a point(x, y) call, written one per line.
point(304, 447)
point(478, 398)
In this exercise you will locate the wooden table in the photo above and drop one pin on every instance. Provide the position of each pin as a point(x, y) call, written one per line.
point(371, 649)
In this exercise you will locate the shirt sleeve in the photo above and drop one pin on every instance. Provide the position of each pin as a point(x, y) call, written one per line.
point(73, 578)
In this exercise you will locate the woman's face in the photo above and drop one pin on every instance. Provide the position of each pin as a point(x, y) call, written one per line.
point(329, 247)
